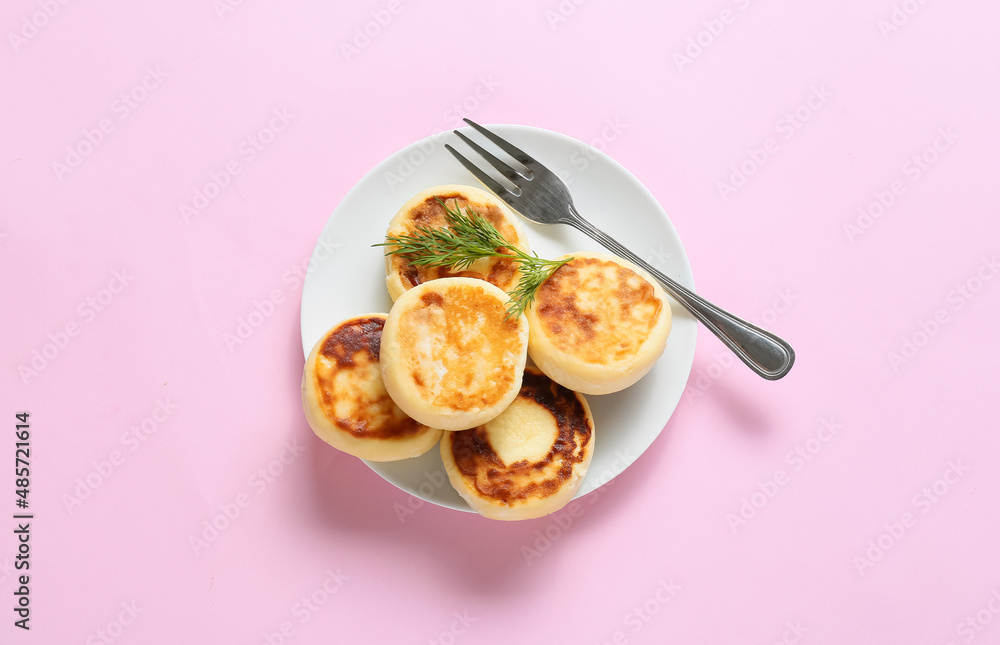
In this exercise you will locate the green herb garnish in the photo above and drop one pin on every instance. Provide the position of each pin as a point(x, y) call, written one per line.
point(470, 237)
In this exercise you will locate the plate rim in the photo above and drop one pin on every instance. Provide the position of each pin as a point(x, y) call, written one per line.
point(687, 280)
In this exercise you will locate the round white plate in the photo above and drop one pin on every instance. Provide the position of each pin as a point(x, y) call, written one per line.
point(346, 278)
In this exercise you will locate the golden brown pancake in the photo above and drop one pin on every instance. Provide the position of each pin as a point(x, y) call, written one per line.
point(530, 460)
point(424, 210)
point(450, 357)
point(346, 403)
point(598, 324)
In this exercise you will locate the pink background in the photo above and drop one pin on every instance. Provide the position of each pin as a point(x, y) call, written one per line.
point(887, 533)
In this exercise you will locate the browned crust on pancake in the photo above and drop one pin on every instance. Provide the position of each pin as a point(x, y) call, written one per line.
point(480, 466)
point(354, 345)
point(345, 344)
point(431, 214)
point(596, 335)
point(467, 307)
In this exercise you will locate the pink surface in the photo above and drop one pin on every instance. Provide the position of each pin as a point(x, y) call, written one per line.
point(855, 501)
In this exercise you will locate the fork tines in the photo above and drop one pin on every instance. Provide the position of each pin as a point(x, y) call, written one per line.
point(509, 173)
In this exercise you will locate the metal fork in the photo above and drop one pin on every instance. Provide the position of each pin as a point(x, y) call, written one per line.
point(541, 196)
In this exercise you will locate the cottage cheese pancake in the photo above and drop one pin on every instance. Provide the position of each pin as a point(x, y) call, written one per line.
point(530, 460)
point(450, 357)
point(346, 403)
point(424, 210)
point(598, 324)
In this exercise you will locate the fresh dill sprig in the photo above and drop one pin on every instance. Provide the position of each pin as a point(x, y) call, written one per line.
point(470, 237)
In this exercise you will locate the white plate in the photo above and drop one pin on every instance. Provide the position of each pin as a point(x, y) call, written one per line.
point(350, 280)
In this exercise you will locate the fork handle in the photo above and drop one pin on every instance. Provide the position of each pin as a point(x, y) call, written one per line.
point(762, 351)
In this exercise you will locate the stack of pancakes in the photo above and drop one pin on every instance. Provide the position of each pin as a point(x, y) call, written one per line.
point(447, 365)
